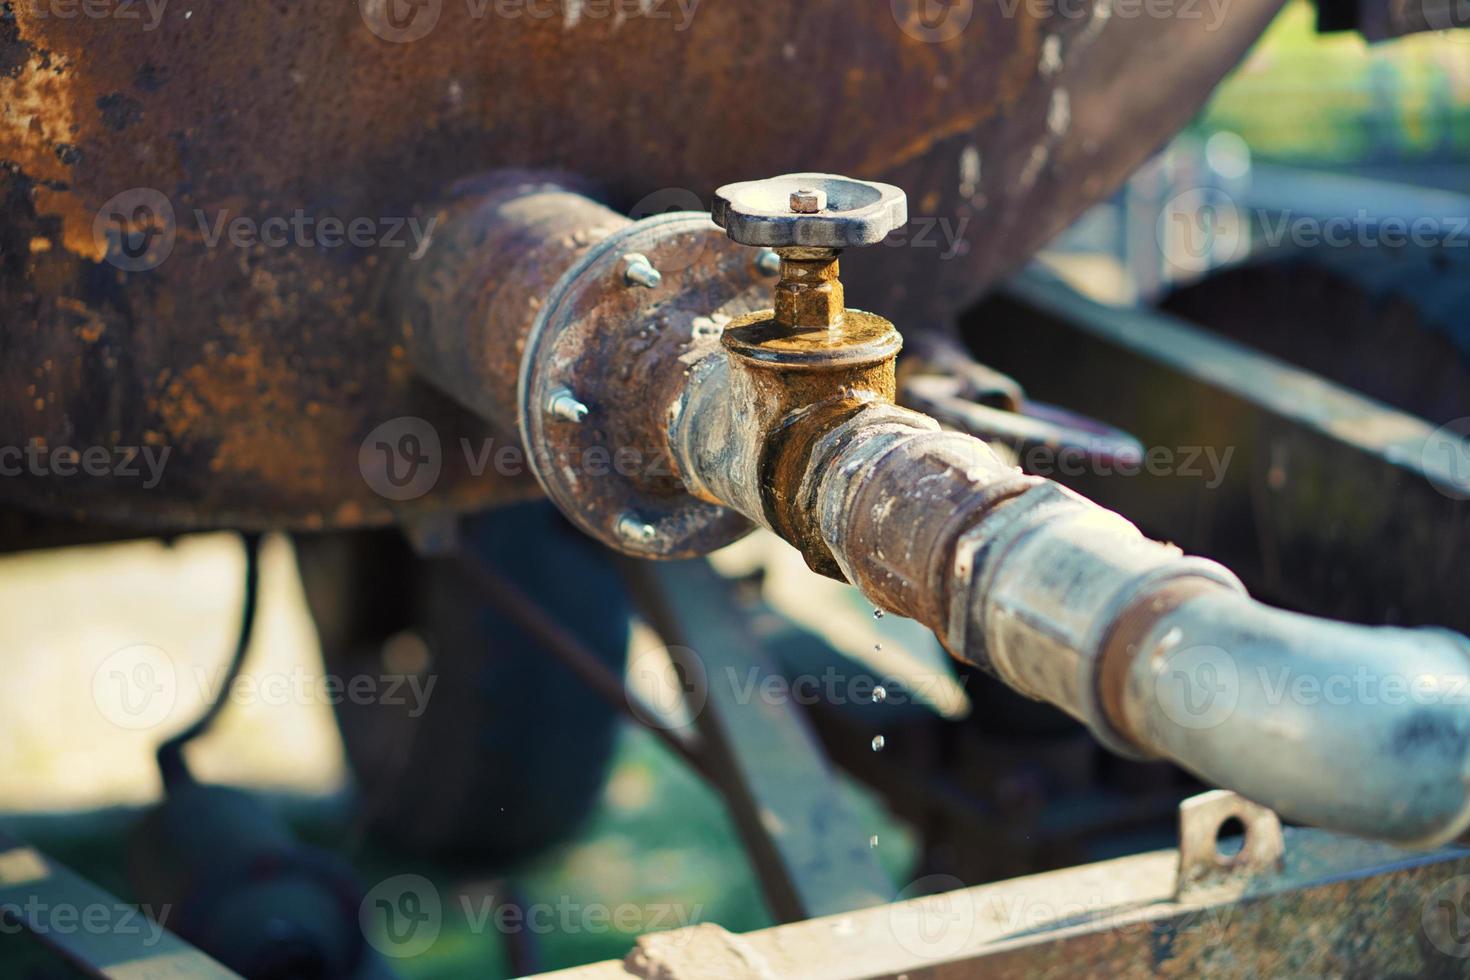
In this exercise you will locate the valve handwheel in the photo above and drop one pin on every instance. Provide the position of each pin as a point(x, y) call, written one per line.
point(823, 211)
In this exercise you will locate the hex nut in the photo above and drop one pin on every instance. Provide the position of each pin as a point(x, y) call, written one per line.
point(807, 200)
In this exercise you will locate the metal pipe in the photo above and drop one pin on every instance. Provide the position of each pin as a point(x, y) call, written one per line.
point(1364, 729)
point(1158, 653)
point(464, 309)
point(791, 424)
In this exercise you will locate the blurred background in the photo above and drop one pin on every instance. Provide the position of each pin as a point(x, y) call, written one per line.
point(1310, 126)
point(596, 821)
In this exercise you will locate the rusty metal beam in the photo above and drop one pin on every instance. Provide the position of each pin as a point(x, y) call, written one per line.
point(91, 929)
point(263, 365)
point(1338, 907)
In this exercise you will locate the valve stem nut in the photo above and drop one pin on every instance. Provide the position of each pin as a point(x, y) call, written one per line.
point(808, 200)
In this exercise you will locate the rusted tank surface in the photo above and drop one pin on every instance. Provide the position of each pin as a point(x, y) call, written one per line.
point(204, 202)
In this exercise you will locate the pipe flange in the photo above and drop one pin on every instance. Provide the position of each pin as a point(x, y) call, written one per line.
point(595, 381)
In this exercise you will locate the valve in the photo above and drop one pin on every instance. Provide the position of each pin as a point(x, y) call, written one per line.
point(653, 306)
point(819, 211)
point(808, 363)
point(808, 219)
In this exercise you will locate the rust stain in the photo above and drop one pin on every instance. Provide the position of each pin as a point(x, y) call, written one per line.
point(1015, 77)
point(272, 110)
point(247, 388)
point(37, 117)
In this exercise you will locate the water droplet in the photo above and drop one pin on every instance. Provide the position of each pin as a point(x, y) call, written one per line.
point(880, 694)
point(878, 743)
point(877, 614)
point(873, 841)
point(877, 648)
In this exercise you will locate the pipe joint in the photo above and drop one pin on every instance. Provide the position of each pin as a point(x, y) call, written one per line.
point(1041, 583)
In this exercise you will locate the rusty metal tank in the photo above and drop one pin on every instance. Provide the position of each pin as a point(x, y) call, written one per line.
point(182, 179)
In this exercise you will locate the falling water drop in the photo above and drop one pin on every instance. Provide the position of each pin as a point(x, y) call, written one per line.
point(880, 694)
point(878, 743)
point(877, 614)
point(873, 841)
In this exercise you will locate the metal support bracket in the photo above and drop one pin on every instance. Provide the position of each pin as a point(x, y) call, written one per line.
point(1203, 866)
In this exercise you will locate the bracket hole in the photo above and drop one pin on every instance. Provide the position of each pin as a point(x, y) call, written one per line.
point(1229, 840)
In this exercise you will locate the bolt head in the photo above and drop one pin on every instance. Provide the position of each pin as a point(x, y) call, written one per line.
point(564, 405)
point(638, 271)
point(633, 528)
point(808, 200)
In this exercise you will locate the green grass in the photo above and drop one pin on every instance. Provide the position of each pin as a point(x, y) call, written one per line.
point(1301, 97)
point(658, 850)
